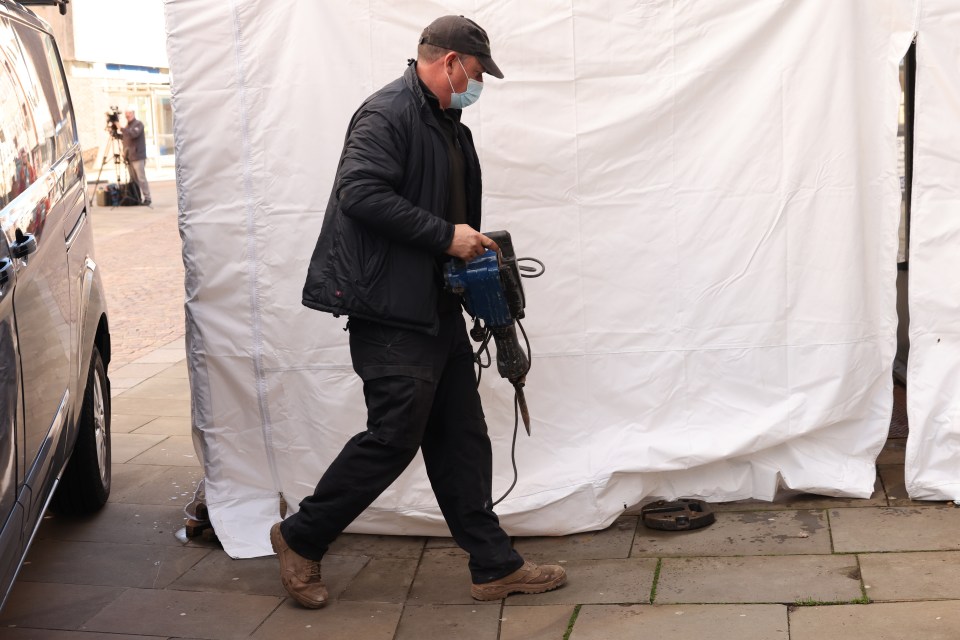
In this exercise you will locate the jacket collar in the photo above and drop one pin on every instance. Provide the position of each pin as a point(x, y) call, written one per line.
point(413, 82)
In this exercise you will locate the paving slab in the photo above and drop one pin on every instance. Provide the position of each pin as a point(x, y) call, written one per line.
point(119, 523)
point(169, 426)
point(895, 529)
point(159, 388)
point(172, 450)
point(121, 423)
point(138, 372)
point(536, 623)
point(178, 370)
point(615, 541)
point(108, 564)
point(154, 406)
point(130, 477)
point(170, 353)
point(42, 605)
point(760, 579)
point(49, 634)
point(184, 614)
point(716, 622)
point(743, 533)
point(626, 580)
point(337, 621)
point(154, 484)
point(352, 544)
point(878, 621)
point(443, 578)
point(218, 572)
point(124, 447)
point(119, 385)
point(338, 572)
point(382, 580)
point(463, 622)
point(441, 542)
point(930, 575)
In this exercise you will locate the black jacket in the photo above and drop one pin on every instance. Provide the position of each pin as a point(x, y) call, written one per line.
point(134, 142)
point(384, 228)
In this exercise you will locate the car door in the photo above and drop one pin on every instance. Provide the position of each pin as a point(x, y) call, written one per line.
point(11, 513)
point(32, 223)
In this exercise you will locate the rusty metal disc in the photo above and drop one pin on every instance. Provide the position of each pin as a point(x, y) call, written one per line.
point(677, 515)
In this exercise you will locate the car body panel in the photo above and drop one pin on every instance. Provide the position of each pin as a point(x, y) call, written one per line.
point(9, 389)
point(52, 307)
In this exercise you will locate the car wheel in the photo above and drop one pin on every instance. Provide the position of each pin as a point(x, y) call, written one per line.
point(85, 485)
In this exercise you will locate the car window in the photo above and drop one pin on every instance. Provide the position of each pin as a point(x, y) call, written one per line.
point(18, 138)
point(58, 99)
point(36, 122)
point(48, 95)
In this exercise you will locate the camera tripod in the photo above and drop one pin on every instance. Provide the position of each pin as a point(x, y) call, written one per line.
point(112, 148)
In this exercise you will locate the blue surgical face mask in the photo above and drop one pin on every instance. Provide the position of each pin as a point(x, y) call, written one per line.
point(468, 97)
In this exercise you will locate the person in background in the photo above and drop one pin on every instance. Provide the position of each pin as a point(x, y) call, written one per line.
point(135, 153)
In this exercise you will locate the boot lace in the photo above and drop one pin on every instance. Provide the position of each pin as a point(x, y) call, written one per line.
point(312, 572)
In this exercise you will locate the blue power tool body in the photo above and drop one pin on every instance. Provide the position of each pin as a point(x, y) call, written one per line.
point(478, 281)
point(491, 291)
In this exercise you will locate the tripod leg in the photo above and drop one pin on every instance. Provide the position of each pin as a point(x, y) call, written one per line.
point(103, 160)
point(107, 146)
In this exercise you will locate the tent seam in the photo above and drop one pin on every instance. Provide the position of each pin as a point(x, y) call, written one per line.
point(256, 317)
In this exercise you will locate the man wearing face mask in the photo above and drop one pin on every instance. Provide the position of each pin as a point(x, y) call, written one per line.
point(406, 198)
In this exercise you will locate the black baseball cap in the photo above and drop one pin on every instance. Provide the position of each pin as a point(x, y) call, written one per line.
point(464, 36)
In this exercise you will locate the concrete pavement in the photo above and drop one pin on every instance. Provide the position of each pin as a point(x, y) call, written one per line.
point(801, 568)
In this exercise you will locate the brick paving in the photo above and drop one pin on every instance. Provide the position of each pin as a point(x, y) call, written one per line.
point(800, 568)
point(139, 251)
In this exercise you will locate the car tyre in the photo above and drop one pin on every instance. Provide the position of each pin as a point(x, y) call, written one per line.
point(85, 485)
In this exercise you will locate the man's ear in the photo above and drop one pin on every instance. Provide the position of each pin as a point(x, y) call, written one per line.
point(449, 60)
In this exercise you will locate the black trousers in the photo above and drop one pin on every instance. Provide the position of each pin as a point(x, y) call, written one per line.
point(420, 392)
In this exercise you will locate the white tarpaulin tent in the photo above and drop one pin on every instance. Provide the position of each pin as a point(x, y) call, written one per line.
point(713, 187)
point(933, 404)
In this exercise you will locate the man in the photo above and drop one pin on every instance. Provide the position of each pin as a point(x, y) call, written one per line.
point(405, 199)
point(135, 153)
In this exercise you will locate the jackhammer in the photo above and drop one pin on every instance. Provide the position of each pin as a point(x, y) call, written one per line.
point(493, 295)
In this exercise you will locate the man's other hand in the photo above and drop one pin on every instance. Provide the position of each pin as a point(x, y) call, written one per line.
point(468, 243)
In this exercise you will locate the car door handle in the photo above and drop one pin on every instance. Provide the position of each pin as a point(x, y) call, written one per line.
point(6, 270)
point(25, 245)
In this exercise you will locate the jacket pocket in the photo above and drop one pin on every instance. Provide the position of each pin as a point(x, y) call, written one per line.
point(363, 257)
point(371, 258)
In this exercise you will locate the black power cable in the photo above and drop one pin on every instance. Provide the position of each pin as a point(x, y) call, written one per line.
point(483, 335)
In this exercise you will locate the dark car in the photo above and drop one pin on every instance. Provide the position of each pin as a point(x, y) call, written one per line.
point(54, 340)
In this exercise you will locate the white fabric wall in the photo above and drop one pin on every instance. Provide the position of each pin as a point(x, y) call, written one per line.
point(933, 402)
point(712, 186)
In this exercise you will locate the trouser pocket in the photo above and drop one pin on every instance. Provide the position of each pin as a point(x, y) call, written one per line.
point(399, 399)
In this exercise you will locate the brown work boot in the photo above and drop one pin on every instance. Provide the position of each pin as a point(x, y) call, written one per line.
point(530, 578)
point(300, 576)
